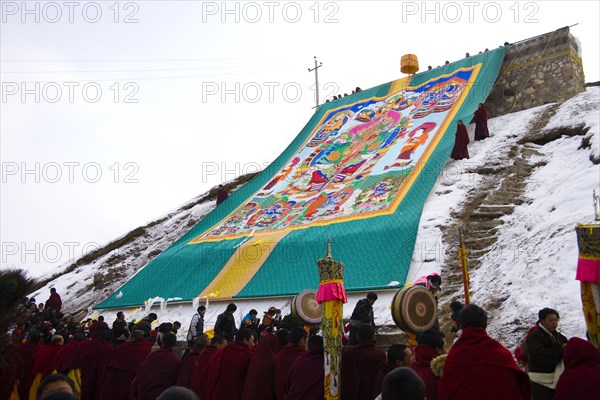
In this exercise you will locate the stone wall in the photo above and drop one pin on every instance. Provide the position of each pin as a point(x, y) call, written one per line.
point(541, 70)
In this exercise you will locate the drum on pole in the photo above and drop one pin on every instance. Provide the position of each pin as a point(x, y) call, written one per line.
point(306, 309)
point(414, 309)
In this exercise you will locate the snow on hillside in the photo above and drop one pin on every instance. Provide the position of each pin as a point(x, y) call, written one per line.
point(534, 264)
point(532, 267)
point(88, 284)
point(543, 275)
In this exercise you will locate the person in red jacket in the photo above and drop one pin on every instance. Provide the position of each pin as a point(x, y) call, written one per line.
point(430, 344)
point(54, 302)
point(582, 371)
point(360, 365)
point(480, 368)
point(286, 357)
point(521, 351)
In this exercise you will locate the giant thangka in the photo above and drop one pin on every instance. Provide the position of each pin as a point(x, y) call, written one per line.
point(358, 173)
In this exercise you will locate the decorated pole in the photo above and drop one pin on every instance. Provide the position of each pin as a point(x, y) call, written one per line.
point(332, 295)
point(462, 257)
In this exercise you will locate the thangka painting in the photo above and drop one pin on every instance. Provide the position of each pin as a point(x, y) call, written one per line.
point(358, 162)
point(358, 173)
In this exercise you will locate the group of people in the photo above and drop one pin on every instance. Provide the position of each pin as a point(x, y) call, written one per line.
point(479, 367)
point(480, 117)
point(277, 358)
point(476, 366)
point(339, 96)
point(467, 55)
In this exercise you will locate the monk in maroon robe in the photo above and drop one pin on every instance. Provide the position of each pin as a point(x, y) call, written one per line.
point(398, 355)
point(92, 360)
point(261, 371)
point(222, 194)
point(384, 369)
point(158, 372)
point(64, 358)
point(286, 357)
point(582, 371)
point(430, 344)
point(98, 328)
point(10, 374)
point(122, 367)
point(189, 362)
point(360, 365)
point(480, 368)
point(460, 150)
point(27, 352)
point(197, 384)
point(306, 378)
point(43, 362)
point(481, 118)
point(226, 371)
point(54, 302)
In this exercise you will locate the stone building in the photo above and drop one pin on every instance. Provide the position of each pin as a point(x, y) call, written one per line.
point(541, 70)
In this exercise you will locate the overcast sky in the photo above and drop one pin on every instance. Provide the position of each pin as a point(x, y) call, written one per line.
point(114, 113)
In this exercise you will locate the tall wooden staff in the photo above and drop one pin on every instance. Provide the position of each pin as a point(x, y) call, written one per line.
point(462, 257)
point(332, 294)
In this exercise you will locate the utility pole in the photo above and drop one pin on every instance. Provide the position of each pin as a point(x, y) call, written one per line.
point(316, 81)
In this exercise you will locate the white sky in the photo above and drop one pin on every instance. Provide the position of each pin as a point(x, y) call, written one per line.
point(185, 134)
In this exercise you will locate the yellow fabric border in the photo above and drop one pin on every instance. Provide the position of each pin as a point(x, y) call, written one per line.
point(242, 266)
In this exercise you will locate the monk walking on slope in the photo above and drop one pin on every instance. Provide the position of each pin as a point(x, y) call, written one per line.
point(480, 117)
point(460, 150)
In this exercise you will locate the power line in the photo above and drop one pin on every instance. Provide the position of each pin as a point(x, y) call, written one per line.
point(138, 70)
point(162, 77)
point(146, 60)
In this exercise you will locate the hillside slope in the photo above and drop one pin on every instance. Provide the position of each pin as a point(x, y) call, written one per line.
point(90, 279)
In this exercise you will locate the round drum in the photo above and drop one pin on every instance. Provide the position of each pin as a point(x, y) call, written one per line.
point(414, 309)
point(305, 307)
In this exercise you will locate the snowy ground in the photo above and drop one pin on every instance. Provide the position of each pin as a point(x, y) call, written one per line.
point(536, 257)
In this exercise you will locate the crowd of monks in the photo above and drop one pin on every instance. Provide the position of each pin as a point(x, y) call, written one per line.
point(279, 363)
